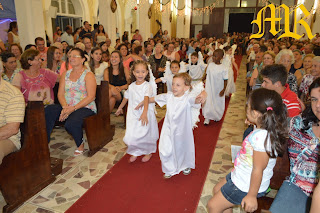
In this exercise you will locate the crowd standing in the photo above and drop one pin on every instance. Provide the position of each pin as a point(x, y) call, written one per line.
point(283, 74)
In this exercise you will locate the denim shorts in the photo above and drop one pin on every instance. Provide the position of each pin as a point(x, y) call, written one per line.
point(233, 194)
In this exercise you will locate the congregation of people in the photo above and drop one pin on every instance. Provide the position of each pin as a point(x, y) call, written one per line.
point(186, 75)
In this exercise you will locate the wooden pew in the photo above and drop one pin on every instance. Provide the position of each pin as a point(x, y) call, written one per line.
point(27, 171)
point(98, 129)
point(280, 172)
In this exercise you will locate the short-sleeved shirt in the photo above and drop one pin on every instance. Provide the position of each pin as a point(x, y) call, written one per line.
point(98, 72)
point(243, 164)
point(305, 84)
point(39, 88)
point(12, 108)
point(290, 99)
point(85, 33)
point(6, 78)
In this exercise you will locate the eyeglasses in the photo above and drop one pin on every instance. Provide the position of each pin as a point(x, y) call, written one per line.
point(74, 56)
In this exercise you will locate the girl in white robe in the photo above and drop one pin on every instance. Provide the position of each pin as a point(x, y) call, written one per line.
point(216, 83)
point(141, 127)
point(176, 144)
point(229, 62)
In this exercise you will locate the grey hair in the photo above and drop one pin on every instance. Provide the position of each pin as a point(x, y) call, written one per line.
point(158, 44)
point(284, 52)
point(316, 59)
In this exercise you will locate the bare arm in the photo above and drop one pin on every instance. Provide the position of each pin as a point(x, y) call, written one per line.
point(177, 56)
point(158, 80)
point(224, 88)
point(253, 77)
point(144, 116)
point(123, 103)
point(260, 162)
point(9, 130)
point(10, 38)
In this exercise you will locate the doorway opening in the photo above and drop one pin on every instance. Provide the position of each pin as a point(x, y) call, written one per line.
point(244, 18)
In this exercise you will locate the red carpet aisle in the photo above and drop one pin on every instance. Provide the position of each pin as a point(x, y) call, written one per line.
point(140, 187)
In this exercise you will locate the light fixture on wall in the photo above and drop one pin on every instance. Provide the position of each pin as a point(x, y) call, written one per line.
point(171, 5)
point(138, 1)
point(150, 1)
point(160, 5)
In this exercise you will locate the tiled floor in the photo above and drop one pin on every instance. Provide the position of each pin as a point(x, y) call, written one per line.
point(80, 173)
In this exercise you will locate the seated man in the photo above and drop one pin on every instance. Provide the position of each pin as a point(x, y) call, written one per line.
point(274, 78)
point(12, 109)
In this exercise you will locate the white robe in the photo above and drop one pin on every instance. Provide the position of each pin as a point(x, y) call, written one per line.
point(196, 71)
point(231, 86)
point(176, 145)
point(167, 79)
point(214, 106)
point(141, 140)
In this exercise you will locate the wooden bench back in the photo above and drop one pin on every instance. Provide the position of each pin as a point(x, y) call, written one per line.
point(27, 171)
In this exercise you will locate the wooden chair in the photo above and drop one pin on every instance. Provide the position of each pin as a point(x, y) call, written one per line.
point(27, 171)
point(280, 172)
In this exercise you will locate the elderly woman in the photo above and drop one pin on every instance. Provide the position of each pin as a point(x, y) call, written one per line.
point(158, 61)
point(309, 78)
point(36, 84)
point(286, 58)
point(77, 92)
point(118, 77)
point(9, 66)
point(267, 59)
point(307, 66)
point(298, 62)
point(303, 147)
point(171, 54)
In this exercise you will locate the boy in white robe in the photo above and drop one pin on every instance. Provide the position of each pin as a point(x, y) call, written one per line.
point(216, 83)
point(196, 67)
point(172, 69)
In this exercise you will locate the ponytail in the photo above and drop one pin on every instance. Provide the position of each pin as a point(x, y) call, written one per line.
point(274, 119)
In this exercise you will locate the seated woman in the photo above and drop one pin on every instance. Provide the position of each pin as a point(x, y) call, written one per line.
point(37, 84)
point(303, 147)
point(66, 65)
point(118, 77)
point(96, 65)
point(158, 61)
point(9, 66)
point(77, 92)
point(54, 59)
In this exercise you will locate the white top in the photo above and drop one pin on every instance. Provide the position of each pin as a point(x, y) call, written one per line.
point(15, 37)
point(98, 72)
point(141, 140)
point(171, 57)
point(196, 71)
point(241, 173)
point(101, 38)
point(168, 78)
point(68, 38)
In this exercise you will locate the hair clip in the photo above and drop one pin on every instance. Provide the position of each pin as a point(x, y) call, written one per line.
point(269, 108)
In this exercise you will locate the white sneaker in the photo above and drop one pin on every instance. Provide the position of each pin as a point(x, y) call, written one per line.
point(206, 121)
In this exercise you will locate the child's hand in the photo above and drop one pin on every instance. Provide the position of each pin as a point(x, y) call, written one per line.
point(249, 203)
point(144, 119)
point(201, 98)
point(221, 93)
point(139, 106)
point(119, 111)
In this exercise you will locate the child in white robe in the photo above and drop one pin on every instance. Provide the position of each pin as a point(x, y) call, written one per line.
point(141, 127)
point(196, 67)
point(216, 83)
point(229, 62)
point(172, 69)
point(176, 144)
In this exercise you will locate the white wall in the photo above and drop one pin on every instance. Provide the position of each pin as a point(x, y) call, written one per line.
point(30, 18)
point(144, 21)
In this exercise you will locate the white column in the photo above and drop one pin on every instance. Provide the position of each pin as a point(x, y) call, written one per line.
point(108, 19)
point(144, 21)
point(30, 20)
